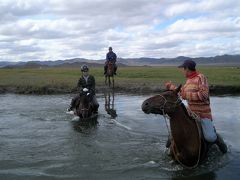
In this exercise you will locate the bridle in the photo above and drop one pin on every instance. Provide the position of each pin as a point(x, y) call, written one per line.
point(85, 110)
point(176, 103)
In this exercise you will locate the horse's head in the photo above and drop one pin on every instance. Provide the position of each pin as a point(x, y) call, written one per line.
point(163, 103)
point(84, 109)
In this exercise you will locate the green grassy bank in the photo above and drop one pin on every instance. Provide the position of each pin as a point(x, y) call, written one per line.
point(222, 80)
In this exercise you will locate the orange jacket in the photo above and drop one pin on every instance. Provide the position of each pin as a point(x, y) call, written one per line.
point(196, 92)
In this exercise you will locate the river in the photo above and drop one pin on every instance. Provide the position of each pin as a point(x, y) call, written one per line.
point(39, 140)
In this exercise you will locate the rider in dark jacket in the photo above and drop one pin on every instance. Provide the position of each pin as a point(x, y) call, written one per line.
point(110, 57)
point(86, 81)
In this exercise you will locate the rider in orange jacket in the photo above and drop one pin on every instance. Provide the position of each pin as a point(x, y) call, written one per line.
point(196, 93)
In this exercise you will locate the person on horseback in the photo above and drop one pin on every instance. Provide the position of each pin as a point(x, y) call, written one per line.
point(110, 57)
point(196, 93)
point(85, 83)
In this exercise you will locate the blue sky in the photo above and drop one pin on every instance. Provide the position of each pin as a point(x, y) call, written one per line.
point(59, 29)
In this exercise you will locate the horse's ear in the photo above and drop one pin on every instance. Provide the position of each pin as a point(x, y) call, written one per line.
point(178, 88)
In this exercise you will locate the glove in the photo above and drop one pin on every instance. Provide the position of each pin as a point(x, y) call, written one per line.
point(168, 84)
point(85, 89)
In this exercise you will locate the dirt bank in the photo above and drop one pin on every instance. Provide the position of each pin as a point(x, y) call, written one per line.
point(214, 90)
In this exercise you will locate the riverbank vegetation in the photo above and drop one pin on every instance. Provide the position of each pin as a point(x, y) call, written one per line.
point(222, 80)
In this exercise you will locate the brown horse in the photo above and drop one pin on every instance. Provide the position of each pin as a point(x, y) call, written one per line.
point(188, 146)
point(84, 108)
point(110, 74)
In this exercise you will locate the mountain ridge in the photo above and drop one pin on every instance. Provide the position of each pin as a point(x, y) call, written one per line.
point(142, 61)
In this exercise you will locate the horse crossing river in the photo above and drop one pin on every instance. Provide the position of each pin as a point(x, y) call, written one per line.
point(40, 141)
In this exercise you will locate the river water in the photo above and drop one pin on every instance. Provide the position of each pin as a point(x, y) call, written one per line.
point(39, 140)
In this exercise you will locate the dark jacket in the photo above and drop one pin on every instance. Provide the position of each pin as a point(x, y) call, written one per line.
point(90, 84)
point(111, 56)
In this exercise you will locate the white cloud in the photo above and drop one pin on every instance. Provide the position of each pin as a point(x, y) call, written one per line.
point(59, 29)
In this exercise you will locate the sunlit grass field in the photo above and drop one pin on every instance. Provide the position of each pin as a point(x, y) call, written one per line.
point(66, 78)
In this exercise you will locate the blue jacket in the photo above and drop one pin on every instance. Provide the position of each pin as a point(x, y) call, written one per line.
point(111, 56)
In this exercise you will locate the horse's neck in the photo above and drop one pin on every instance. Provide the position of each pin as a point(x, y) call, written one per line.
point(179, 121)
point(85, 101)
point(179, 113)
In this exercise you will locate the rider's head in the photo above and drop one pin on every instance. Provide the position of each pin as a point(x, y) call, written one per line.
point(110, 48)
point(84, 69)
point(188, 66)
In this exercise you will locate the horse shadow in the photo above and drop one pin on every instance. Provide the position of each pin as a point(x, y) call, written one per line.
point(85, 126)
point(109, 97)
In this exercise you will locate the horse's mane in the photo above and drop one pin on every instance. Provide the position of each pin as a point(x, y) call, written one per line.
point(186, 112)
point(184, 109)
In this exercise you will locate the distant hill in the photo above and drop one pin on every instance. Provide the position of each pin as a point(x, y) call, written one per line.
point(217, 60)
point(224, 60)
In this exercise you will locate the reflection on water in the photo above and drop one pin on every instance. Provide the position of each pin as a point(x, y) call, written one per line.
point(40, 141)
point(109, 103)
point(206, 176)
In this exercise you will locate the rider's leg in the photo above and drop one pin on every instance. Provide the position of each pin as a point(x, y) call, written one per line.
point(211, 136)
point(208, 130)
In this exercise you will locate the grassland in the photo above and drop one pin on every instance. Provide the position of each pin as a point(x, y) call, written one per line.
point(222, 80)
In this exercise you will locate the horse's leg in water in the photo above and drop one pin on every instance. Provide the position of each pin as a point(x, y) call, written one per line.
point(105, 79)
point(174, 152)
point(113, 81)
point(109, 81)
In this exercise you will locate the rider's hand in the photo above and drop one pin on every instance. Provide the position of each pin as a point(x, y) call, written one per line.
point(85, 89)
point(168, 84)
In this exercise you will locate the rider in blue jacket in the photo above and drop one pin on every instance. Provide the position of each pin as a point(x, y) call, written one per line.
point(110, 57)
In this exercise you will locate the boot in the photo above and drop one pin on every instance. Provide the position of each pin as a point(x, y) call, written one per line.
point(221, 144)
